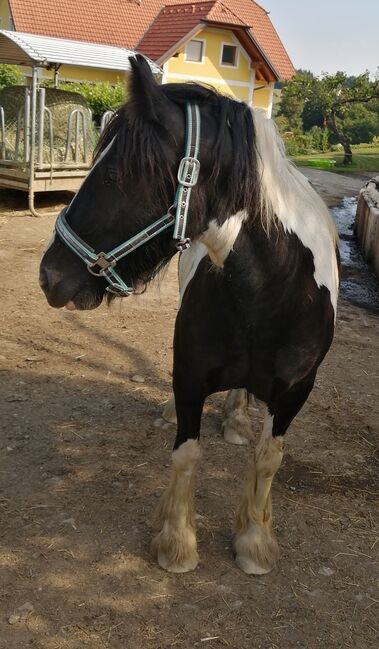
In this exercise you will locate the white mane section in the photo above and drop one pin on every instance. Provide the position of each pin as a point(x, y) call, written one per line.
point(287, 194)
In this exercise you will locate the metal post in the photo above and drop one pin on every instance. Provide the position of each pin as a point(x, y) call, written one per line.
point(77, 133)
point(41, 124)
point(2, 125)
point(51, 135)
point(33, 139)
point(27, 125)
point(56, 71)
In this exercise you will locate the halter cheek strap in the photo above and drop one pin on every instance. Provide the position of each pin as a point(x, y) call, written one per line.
point(103, 264)
point(188, 174)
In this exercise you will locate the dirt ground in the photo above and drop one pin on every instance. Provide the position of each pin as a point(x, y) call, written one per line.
point(84, 460)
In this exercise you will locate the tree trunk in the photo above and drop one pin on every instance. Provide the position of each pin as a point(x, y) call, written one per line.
point(333, 126)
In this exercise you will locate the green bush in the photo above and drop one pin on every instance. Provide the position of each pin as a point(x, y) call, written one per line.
point(367, 145)
point(320, 138)
point(10, 75)
point(303, 143)
point(100, 96)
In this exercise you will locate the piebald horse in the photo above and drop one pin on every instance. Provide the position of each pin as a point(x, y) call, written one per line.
point(182, 168)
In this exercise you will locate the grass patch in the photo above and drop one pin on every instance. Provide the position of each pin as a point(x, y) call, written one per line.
point(363, 160)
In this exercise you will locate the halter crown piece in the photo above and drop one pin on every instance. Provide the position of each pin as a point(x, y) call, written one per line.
point(103, 264)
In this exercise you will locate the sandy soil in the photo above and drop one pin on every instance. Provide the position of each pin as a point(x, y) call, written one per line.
point(83, 463)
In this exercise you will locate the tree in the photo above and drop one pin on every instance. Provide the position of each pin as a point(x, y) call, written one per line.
point(330, 97)
point(293, 100)
point(361, 123)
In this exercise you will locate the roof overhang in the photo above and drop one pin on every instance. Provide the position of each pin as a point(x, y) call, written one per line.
point(46, 52)
point(249, 42)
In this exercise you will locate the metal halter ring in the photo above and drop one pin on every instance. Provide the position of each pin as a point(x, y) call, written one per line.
point(103, 264)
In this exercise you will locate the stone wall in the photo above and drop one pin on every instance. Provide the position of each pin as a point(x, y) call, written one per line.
point(367, 222)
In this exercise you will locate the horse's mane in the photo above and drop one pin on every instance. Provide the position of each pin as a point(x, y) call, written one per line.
point(141, 154)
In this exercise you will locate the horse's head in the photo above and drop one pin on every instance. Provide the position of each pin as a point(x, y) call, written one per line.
point(133, 183)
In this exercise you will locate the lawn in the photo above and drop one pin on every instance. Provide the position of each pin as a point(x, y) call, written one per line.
point(363, 160)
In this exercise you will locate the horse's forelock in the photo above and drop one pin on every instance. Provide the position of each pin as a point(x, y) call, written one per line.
point(142, 154)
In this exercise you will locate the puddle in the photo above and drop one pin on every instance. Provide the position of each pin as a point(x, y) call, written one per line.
point(359, 284)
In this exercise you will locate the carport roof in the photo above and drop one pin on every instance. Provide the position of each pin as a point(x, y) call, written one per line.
point(45, 51)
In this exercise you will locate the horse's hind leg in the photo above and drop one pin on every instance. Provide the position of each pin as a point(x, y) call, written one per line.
point(255, 544)
point(236, 423)
point(175, 545)
point(169, 410)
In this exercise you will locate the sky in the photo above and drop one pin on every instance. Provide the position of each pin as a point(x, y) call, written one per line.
point(328, 35)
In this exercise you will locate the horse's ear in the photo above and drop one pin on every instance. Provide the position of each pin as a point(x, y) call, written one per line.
point(147, 100)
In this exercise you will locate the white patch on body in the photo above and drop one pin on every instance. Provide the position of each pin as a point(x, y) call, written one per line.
point(220, 239)
point(188, 263)
point(217, 242)
point(288, 195)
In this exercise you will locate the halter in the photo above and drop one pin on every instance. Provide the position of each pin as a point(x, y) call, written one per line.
point(103, 264)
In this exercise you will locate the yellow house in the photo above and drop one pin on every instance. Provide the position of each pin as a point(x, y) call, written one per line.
point(231, 45)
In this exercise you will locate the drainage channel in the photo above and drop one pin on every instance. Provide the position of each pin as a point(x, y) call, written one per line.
point(359, 285)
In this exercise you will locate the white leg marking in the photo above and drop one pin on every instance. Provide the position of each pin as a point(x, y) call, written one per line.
point(255, 544)
point(175, 546)
point(236, 424)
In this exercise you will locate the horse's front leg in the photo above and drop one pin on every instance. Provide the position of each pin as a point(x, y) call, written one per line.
point(255, 544)
point(175, 545)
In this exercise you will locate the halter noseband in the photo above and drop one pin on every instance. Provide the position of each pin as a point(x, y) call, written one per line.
point(103, 264)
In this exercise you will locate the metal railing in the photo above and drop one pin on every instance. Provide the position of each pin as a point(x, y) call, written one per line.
point(79, 114)
point(106, 118)
point(43, 110)
point(2, 127)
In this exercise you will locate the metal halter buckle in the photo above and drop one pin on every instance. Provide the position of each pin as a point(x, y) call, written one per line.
point(183, 244)
point(188, 177)
point(103, 264)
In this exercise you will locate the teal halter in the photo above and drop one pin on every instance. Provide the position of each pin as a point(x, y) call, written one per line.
point(103, 264)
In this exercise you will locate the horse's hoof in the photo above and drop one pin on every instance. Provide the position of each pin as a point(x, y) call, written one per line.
point(237, 427)
point(232, 437)
point(169, 411)
point(190, 563)
point(176, 552)
point(249, 567)
point(256, 549)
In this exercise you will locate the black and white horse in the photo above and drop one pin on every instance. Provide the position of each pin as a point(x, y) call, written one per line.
point(258, 285)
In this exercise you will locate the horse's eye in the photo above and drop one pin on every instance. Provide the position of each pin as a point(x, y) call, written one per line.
point(110, 176)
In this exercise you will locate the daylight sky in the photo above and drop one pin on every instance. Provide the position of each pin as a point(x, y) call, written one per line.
point(328, 35)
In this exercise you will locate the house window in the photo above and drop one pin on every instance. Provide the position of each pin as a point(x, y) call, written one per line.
point(229, 55)
point(194, 51)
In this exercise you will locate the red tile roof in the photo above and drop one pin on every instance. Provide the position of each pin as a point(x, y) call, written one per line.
point(174, 22)
point(125, 22)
